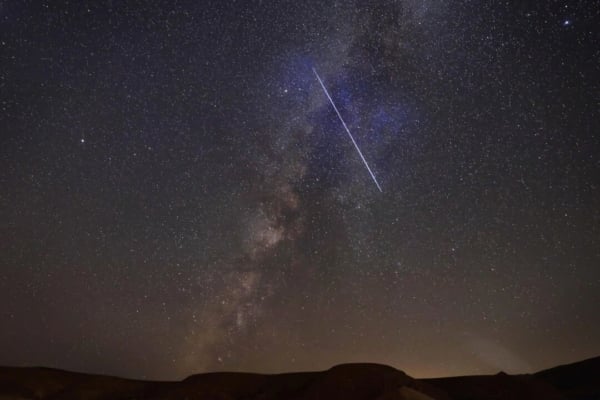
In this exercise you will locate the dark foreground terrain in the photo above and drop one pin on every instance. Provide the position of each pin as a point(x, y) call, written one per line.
point(349, 382)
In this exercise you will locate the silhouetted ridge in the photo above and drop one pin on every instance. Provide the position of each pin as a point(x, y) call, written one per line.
point(496, 387)
point(580, 380)
point(361, 381)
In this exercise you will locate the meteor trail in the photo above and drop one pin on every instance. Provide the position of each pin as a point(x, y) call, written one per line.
point(347, 130)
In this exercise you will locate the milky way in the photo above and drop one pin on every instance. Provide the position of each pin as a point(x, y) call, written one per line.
point(178, 195)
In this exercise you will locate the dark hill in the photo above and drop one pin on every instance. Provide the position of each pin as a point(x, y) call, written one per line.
point(577, 381)
point(347, 381)
point(580, 380)
point(497, 387)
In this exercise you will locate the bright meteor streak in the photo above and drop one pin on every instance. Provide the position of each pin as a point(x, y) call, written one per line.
point(347, 130)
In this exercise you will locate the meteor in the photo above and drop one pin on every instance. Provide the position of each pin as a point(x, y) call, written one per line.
point(347, 130)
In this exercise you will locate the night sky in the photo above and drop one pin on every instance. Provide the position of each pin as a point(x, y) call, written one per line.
point(179, 196)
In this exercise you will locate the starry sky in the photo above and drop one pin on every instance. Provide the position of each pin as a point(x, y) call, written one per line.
point(179, 196)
